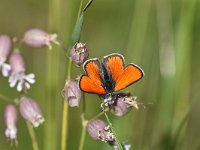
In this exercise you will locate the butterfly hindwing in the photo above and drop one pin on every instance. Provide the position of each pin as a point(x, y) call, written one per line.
point(91, 82)
point(131, 74)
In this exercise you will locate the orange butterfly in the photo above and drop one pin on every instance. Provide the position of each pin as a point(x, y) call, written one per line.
point(108, 76)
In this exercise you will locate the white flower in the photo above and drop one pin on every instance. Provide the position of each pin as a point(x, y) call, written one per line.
point(18, 76)
point(22, 81)
point(4, 67)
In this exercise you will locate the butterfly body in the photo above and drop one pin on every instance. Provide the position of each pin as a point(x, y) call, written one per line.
point(109, 76)
point(106, 78)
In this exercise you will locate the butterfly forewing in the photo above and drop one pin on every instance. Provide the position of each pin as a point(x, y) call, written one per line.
point(130, 75)
point(115, 65)
point(91, 82)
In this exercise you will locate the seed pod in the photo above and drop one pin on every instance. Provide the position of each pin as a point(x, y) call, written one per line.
point(79, 53)
point(30, 111)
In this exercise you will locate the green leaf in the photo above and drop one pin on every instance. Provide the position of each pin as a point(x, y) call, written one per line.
point(87, 5)
point(77, 29)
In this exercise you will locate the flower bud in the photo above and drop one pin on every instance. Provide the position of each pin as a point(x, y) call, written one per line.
point(79, 53)
point(72, 93)
point(99, 130)
point(10, 117)
point(38, 38)
point(122, 104)
point(17, 63)
point(30, 111)
point(5, 45)
point(18, 75)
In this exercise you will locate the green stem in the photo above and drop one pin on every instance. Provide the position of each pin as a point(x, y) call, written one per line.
point(65, 112)
point(32, 136)
point(5, 98)
point(100, 114)
point(64, 126)
point(115, 135)
point(65, 106)
point(84, 124)
point(83, 106)
point(83, 133)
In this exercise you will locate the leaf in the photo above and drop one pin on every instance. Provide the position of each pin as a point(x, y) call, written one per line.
point(87, 5)
point(77, 29)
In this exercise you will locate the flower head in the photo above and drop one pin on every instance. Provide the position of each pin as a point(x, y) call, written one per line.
point(72, 93)
point(38, 38)
point(99, 130)
point(123, 104)
point(79, 53)
point(5, 45)
point(18, 75)
point(10, 117)
point(30, 111)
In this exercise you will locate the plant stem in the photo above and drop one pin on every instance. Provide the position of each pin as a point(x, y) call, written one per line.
point(32, 136)
point(5, 98)
point(119, 146)
point(65, 112)
point(84, 124)
point(101, 113)
point(65, 106)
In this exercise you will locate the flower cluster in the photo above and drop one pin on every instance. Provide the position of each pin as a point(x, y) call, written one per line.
point(15, 70)
point(100, 130)
point(29, 110)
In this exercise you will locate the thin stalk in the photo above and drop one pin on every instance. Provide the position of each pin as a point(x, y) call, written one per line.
point(119, 146)
point(32, 136)
point(5, 98)
point(100, 114)
point(83, 133)
point(83, 106)
point(65, 113)
point(84, 124)
point(65, 106)
point(82, 137)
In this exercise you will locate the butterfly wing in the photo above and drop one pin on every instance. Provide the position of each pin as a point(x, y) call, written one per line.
point(121, 75)
point(131, 74)
point(114, 63)
point(91, 82)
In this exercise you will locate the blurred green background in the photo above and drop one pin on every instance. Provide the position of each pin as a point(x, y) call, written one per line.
point(161, 36)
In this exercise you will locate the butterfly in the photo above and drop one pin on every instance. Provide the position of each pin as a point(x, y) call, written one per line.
point(109, 75)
